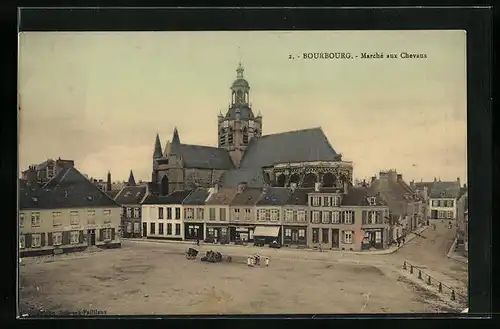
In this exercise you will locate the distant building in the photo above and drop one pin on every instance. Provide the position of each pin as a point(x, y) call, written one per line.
point(194, 214)
point(443, 197)
point(269, 210)
point(217, 209)
point(296, 217)
point(46, 170)
point(130, 198)
point(68, 213)
point(243, 213)
point(403, 201)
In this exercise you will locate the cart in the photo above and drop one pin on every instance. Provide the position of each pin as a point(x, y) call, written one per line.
point(191, 253)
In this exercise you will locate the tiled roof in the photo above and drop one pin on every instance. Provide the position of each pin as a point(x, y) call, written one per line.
point(68, 189)
point(224, 196)
point(204, 157)
point(176, 197)
point(445, 190)
point(393, 190)
point(358, 196)
point(293, 146)
point(131, 195)
point(254, 177)
point(274, 196)
point(112, 194)
point(197, 197)
point(248, 197)
point(299, 197)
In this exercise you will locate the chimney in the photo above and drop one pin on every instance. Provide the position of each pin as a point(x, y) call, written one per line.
point(346, 186)
point(399, 177)
point(465, 185)
point(458, 181)
point(374, 178)
point(293, 186)
point(216, 187)
point(435, 180)
point(242, 186)
point(317, 187)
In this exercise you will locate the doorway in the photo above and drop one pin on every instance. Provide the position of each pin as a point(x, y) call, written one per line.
point(144, 230)
point(434, 214)
point(91, 237)
point(335, 238)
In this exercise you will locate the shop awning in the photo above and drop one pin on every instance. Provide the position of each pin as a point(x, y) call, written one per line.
point(270, 231)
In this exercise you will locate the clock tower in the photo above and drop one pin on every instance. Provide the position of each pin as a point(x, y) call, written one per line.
point(239, 125)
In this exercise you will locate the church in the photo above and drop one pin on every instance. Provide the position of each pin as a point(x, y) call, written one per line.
point(298, 158)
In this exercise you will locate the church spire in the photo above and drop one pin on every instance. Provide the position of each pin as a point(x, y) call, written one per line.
point(239, 71)
point(175, 137)
point(131, 179)
point(157, 152)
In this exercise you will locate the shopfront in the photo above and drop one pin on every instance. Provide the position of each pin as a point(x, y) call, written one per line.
point(241, 233)
point(193, 231)
point(267, 234)
point(373, 238)
point(217, 234)
point(294, 235)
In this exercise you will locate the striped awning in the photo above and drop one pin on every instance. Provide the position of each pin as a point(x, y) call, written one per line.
point(269, 231)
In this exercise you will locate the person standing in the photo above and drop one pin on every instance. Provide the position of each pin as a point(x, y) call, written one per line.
point(197, 241)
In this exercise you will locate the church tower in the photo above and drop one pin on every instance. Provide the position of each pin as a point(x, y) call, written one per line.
point(239, 125)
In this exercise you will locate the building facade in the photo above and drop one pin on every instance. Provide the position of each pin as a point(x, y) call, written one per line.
point(217, 212)
point(243, 214)
point(130, 199)
point(66, 214)
point(269, 215)
point(296, 218)
point(347, 219)
point(162, 216)
point(443, 198)
point(194, 214)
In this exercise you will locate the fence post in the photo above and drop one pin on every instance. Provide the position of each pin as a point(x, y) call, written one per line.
point(404, 265)
point(429, 280)
point(411, 269)
point(420, 274)
point(453, 295)
point(440, 287)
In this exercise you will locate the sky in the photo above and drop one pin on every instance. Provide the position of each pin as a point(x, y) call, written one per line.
point(100, 98)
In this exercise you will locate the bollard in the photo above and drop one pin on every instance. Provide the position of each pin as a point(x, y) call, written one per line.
point(411, 269)
point(453, 295)
point(429, 280)
point(440, 287)
point(420, 274)
point(404, 266)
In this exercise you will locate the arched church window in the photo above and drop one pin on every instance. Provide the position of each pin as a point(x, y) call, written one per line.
point(239, 96)
point(222, 137)
point(230, 137)
point(245, 135)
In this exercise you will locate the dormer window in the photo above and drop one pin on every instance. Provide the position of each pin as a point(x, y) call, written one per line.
point(372, 201)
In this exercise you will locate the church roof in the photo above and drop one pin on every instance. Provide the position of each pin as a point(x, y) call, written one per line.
point(204, 157)
point(305, 145)
point(245, 112)
point(254, 177)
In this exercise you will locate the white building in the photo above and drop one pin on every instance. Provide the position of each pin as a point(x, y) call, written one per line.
point(443, 197)
point(163, 216)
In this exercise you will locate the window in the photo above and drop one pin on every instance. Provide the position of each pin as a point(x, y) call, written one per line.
point(442, 203)
point(302, 233)
point(189, 213)
point(22, 242)
point(36, 240)
point(378, 237)
point(289, 215)
point(315, 235)
point(222, 214)
point(136, 213)
point(268, 215)
point(21, 220)
point(74, 219)
point(137, 228)
point(288, 232)
point(152, 228)
point(177, 213)
point(315, 217)
point(336, 201)
point(324, 237)
point(199, 213)
point(327, 201)
point(372, 217)
point(177, 229)
point(169, 229)
point(248, 212)
point(57, 238)
point(449, 203)
point(211, 213)
point(348, 217)
point(129, 212)
point(348, 236)
point(301, 214)
point(160, 212)
point(316, 201)
point(441, 214)
point(91, 216)
point(35, 219)
point(450, 214)
point(160, 228)
point(237, 214)
point(335, 217)
point(371, 201)
point(275, 214)
point(106, 234)
point(107, 216)
point(74, 237)
point(325, 217)
point(129, 227)
point(169, 213)
point(261, 215)
point(56, 218)
point(435, 203)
